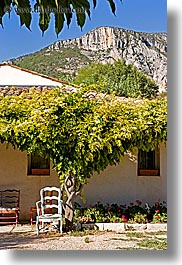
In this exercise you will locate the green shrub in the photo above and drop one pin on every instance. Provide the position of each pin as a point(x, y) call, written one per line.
point(118, 78)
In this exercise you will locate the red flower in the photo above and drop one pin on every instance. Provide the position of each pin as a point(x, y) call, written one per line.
point(124, 218)
point(138, 202)
point(131, 203)
point(157, 211)
point(158, 217)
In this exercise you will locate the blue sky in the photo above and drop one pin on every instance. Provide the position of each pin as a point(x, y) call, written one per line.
point(138, 15)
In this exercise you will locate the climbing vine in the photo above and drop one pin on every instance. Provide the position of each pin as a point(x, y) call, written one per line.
point(81, 135)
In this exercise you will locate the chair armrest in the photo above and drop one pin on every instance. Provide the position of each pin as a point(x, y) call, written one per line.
point(38, 208)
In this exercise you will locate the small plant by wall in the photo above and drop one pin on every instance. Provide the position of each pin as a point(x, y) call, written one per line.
point(136, 212)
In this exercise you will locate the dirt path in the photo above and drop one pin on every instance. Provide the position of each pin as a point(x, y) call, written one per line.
point(88, 240)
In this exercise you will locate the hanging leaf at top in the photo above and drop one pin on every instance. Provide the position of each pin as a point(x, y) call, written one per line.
point(61, 9)
point(23, 10)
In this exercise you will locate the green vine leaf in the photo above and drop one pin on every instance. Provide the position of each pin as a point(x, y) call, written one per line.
point(81, 135)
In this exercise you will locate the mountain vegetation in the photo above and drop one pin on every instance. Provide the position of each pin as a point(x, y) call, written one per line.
point(53, 63)
point(118, 78)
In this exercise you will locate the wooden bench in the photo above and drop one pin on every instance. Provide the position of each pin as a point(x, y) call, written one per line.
point(9, 206)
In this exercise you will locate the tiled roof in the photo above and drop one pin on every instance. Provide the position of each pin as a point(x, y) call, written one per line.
point(16, 91)
point(98, 95)
point(91, 94)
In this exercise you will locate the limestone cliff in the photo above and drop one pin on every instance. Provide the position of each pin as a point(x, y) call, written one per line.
point(147, 51)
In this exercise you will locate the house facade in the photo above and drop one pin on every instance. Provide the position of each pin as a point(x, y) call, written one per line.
point(120, 184)
point(141, 176)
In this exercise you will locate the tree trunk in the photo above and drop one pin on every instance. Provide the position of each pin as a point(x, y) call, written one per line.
point(69, 213)
point(70, 188)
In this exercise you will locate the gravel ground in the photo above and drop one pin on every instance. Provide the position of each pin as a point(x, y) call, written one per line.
point(94, 240)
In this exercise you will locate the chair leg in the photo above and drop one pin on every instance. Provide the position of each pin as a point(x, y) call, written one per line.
point(37, 226)
point(31, 218)
point(16, 218)
point(60, 226)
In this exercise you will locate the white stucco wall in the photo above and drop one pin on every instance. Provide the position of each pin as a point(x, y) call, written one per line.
point(121, 184)
point(10, 76)
point(117, 184)
point(13, 174)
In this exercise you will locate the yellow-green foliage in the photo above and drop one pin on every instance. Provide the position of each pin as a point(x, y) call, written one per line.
point(81, 135)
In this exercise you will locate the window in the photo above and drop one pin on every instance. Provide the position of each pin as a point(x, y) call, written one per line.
point(38, 165)
point(149, 163)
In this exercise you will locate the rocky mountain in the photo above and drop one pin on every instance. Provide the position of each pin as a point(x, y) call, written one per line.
point(147, 51)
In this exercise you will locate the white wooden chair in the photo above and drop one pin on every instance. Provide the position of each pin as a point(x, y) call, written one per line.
point(49, 209)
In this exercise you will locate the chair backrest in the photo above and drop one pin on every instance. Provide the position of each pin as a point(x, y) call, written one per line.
point(50, 198)
point(9, 198)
